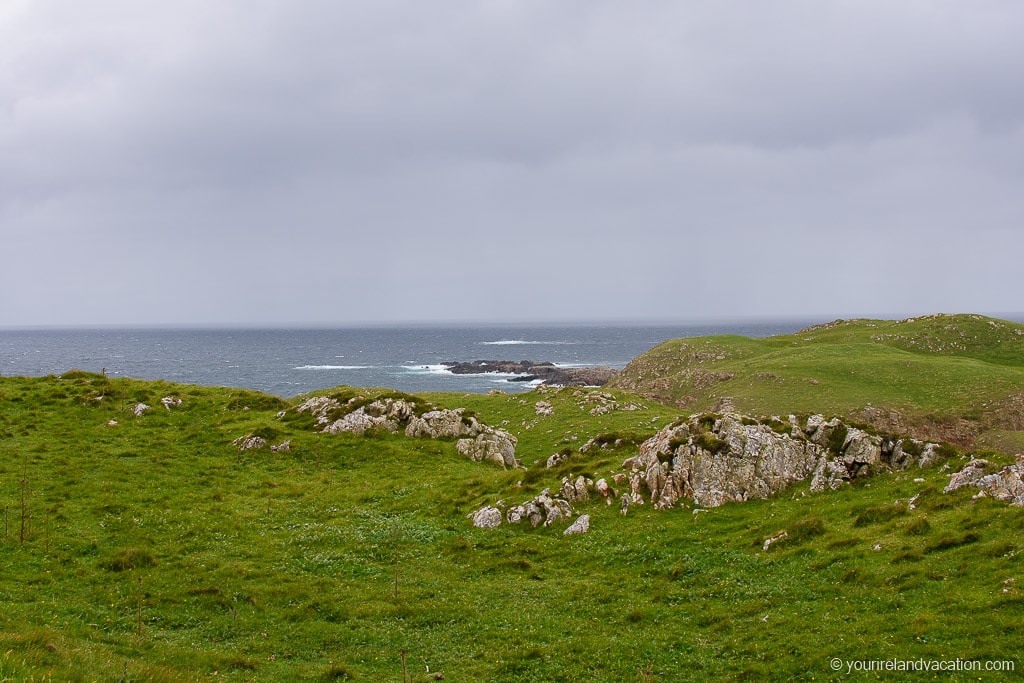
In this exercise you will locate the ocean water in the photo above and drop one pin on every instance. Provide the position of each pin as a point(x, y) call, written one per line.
point(288, 362)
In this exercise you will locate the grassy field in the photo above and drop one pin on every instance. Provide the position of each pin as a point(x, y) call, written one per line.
point(154, 550)
point(945, 376)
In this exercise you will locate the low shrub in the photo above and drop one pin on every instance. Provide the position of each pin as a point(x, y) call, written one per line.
point(880, 513)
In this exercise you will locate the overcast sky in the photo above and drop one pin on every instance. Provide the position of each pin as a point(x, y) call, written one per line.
point(340, 161)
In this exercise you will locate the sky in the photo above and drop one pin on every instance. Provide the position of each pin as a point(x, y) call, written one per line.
point(336, 162)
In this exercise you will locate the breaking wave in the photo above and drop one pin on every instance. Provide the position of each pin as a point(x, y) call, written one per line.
point(431, 369)
point(518, 342)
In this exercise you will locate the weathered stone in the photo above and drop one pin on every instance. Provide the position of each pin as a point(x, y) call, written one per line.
point(320, 407)
point(970, 475)
point(170, 402)
point(813, 422)
point(929, 455)
point(1006, 485)
point(544, 408)
point(245, 443)
point(750, 461)
point(580, 526)
point(861, 448)
point(774, 538)
point(282, 447)
point(542, 509)
point(824, 432)
point(360, 421)
point(829, 475)
point(557, 459)
point(492, 445)
point(486, 517)
point(440, 424)
point(139, 408)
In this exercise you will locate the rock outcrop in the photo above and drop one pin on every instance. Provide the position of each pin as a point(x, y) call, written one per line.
point(488, 517)
point(1006, 485)
point(476, 440)
point(529, 371)
point(718, 462)
point(490, 445)
point(250, 442)
point(580, 526)
point(440, 424)
point(715, 459)
point(543, 508)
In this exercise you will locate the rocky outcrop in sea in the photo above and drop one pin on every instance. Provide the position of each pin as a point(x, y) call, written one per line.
point(529, 371)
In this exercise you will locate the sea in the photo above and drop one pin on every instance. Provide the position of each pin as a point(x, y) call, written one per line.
point(289, 362)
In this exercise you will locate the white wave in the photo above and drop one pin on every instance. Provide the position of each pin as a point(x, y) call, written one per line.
point(432, 369)
point(333, 367)
point(517, 342)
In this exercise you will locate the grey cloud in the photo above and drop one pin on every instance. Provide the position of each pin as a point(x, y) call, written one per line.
point(511, 160)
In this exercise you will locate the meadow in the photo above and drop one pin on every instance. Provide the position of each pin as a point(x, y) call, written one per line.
point(953, 377)
point(155, 550)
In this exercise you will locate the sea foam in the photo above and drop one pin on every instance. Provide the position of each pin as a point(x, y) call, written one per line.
point(524, 342)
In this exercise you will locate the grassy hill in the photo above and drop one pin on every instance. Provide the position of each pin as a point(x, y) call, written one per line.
point(955, 377)
point(155, 550)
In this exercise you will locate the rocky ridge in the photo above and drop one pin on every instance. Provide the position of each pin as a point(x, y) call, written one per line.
point(714, 459)
point(359, 415)
point(711, 459)
point(1006, 484)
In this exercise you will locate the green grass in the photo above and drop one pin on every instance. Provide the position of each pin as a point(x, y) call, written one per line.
point(953, 377)
point(268, 567)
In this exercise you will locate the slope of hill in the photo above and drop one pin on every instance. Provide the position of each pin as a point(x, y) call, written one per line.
point(954, 377)
point(149, 547)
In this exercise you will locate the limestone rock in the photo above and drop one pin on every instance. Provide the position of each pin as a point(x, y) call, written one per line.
point(813, 422)
point(970, 475)
point(487, 517)
point(929, 455)
point(730, 461)
point(1006, 485)
point(543, 508)
point(829, 475)
point(282, 447)
point(441, 424)
point(557, 459)
point(360, 421)
point(170, 402)
point(824, 431)
point(320, 407)
point(491, 445)
point(861, 449)
point(246, 443)
point(139, 408)
point(580, 526)
point(544, 408)
point(576, 490)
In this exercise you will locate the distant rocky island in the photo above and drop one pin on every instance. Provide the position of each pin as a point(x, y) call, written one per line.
point(529, 371)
